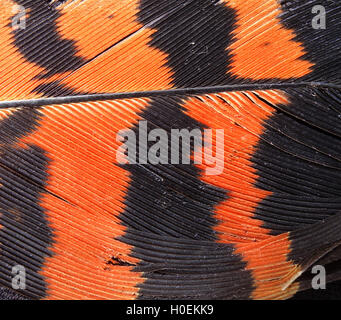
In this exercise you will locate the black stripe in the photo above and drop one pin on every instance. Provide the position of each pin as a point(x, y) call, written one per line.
point(299, 159)
point(332, 263)
point(40, 42)
point(159, 193)
point(56, 88)
point(180, 268)
point(171, 202)
point(24, 234)
point(310, 244)
point(195, 37)
point(322, 46)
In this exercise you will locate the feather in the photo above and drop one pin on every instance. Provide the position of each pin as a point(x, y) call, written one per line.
point(85, 223)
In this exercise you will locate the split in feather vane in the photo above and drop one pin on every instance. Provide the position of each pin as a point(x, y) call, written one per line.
point(74, 74)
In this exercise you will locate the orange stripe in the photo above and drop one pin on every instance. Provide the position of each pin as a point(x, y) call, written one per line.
point(271, 270)
point(80, 141)
point(232, 112)
point(97, 24)
point(262, 47)
point(132, 65)
point(241, 115)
